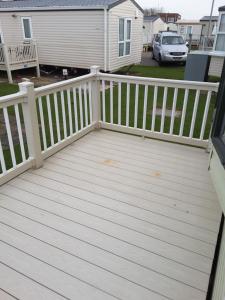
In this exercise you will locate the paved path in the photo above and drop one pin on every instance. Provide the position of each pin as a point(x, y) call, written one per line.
point(147, 60)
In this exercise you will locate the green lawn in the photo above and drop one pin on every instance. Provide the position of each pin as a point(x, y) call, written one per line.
point(157, 72)
point(167, 72)
point(6, 89)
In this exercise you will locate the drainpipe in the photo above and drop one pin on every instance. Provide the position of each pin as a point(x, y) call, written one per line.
point(105, 39)
point(210, 20)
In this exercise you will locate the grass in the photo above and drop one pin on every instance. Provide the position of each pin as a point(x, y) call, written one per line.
point(173, 72)
point(7, 88)
point(167, 72)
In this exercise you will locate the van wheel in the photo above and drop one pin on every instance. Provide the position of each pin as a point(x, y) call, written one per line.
point(160, 60)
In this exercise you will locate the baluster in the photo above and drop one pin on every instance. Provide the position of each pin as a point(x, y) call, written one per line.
point(18, 123)
point(136, 105)
point(90, 103)
point(145, 107)
point(128, 106)
point(63, 114)
point(9, 135)
point(42, 123)
point(184, 112)
point(2, 159)
point(154, 107)
point(119, 102)
point(111, 102)
point(81, 108)
point(173, 110)
point(164, 109)
point(103, 100)
point(57, 117)
point(209, 95)
point(75, 108)
point(194, 113)
point(69, 111)
point(50, 119)
point(85, 104)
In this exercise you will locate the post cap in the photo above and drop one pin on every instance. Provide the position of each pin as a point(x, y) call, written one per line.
point(23, 86)
point(95, 69)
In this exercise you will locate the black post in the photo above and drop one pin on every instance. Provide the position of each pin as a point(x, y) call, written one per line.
point(218, 120)
point(215, 262)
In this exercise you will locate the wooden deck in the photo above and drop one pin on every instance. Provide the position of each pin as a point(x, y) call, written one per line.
point(112, 216)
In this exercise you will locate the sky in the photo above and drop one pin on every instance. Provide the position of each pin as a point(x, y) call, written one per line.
point(188, 9)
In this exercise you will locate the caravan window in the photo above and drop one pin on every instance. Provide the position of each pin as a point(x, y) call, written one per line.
point(27, 28)
point(182, 29)
point(220, 39)
point(189, 30)
point(124, 36)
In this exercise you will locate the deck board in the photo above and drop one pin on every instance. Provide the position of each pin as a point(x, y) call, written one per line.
point(6, 296)
point(112, 216)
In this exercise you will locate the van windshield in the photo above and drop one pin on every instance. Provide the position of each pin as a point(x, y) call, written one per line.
point(172, 40)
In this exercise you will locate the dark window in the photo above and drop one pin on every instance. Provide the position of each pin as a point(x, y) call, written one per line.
point(172, 40)
point(27, 31)
point(218, 132)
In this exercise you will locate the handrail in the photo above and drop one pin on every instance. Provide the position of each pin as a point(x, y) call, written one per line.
point(40, 91)
point(161, 82)
point(12, 99)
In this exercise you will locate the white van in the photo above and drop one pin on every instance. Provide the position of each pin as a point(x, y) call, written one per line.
point(169, 47)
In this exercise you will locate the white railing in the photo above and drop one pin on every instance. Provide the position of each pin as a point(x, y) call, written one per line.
point(178, 111)
point(22, 53)
point(36, 123)
point(68, 110)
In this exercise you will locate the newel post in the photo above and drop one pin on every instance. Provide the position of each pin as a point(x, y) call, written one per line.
point(31, 124)
point(95, 89)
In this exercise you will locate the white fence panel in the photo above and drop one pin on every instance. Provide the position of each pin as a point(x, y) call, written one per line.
point(179, 111)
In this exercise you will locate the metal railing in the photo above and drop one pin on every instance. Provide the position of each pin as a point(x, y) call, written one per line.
point(36, 123)
point(206, 43)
